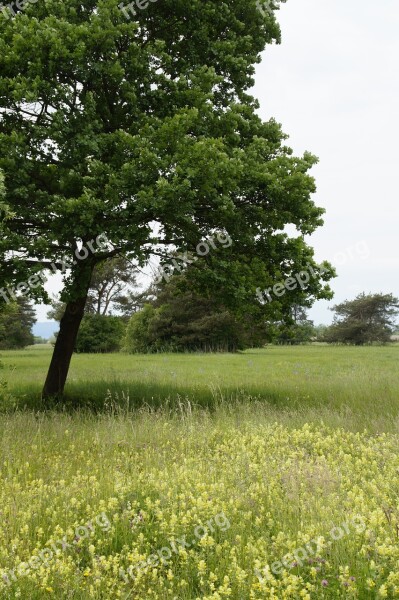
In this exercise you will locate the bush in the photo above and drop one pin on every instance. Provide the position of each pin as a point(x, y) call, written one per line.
point(139, 337)
point(178, 328)
point(100, 334)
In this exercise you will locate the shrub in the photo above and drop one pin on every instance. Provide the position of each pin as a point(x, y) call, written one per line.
point(100, 334)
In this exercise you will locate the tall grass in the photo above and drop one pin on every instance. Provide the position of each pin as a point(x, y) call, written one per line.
point(358, 384)
point(289, 443)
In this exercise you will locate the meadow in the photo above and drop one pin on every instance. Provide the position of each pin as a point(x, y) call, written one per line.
point(271, 473)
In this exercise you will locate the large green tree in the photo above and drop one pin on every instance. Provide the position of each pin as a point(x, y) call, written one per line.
point(142, 129)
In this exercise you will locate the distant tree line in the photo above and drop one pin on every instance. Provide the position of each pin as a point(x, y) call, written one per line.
point(175, 315)
point(177, 320)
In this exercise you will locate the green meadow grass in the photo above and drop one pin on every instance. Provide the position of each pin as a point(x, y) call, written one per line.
point(289, 442)
point(354, 386)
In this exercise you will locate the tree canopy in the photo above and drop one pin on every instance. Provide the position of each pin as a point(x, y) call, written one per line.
point(366, 319)
point(180, 320)
point(143, 130)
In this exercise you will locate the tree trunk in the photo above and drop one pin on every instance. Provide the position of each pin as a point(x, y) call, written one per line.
point(64, 347)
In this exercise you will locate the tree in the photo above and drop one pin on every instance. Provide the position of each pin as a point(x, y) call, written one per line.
point(139, 337)
point(180, 318)
point(297, 329)
point(364, 320)
point(100, 334)
point(16, 322)
point(319, 332)
point(180, 321)
point(110, 286)
point(142, 131)
point(110, 289)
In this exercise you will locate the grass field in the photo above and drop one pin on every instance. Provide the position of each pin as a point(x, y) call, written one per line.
point(358, 386)
point(267, 474)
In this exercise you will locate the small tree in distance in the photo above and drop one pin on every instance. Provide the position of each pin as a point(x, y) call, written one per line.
point(113, 288)
point(296, 329)
point(369, 318)
point(100, 333)
point(179, 319)
point(16, 322)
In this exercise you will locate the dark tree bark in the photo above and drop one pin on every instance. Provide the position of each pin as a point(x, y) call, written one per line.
point(65, 345)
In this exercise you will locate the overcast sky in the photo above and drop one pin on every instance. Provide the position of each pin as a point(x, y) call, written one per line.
point(334, 85)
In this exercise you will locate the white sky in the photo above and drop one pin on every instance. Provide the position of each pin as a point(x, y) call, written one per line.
point(334, 85)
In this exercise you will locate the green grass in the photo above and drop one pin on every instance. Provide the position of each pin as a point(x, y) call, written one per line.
point(277, 484)
point(357, 385)
point(287, 442)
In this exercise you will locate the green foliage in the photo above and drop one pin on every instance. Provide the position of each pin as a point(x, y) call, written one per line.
point(366, 319)
point(183, 320)
point(158, 330)
point(111, 125)
point(4, 208)
point(39, 340)
point(139, 337)
point(100, 110)
point(298, 333)
point(100, 333)
point(16, 322)
point(297, 329)
point(319, 332)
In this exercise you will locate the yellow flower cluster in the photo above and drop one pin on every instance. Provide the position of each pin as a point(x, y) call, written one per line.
point(159, 479)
